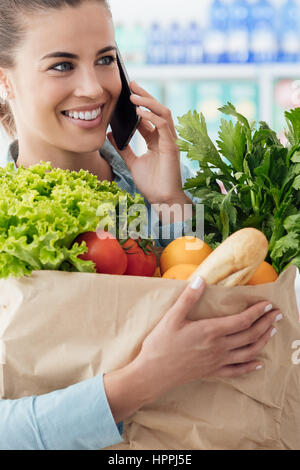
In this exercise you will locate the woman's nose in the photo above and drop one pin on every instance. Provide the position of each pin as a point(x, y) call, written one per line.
point(89, 85)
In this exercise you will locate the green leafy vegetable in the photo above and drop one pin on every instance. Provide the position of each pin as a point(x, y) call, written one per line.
point(43, 210)
point(260, 175)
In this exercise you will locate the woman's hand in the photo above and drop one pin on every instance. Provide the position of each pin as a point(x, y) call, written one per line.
point(179, 351)
point(157, 173)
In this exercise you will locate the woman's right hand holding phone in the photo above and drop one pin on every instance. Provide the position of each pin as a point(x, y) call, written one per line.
point(179, 351)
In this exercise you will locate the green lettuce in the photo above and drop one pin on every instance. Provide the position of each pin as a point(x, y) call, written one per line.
point(43, 210)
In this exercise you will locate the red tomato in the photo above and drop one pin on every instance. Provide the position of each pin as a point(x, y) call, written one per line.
point(141, 261)
point(105, 251)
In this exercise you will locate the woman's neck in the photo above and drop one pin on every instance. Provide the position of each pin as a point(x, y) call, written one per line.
point(59, 158)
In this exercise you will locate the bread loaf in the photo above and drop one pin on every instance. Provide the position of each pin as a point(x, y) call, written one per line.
point(235, 260)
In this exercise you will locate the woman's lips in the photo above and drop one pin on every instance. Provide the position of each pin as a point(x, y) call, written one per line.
point(85, 124)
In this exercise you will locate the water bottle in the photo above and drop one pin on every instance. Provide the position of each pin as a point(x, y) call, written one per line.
point(289, 32)
point(175, 44)
point(238, 45)
point(156, 44)
point(214, 39)
point(263, 37)
point(194, 47)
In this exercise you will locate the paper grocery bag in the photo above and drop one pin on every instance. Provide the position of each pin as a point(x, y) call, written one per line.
point(59, 328)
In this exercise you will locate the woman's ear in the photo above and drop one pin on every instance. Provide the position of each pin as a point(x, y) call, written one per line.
point(5, 86)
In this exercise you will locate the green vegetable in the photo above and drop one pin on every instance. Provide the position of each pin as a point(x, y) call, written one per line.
point(261, 177)
point(43, 210)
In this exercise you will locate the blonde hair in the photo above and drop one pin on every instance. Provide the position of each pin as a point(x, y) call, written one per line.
point(12, 31)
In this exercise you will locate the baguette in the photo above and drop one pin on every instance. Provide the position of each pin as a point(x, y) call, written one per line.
point(234, 261)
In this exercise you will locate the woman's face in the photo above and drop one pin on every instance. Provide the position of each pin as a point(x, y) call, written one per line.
point(44, 87)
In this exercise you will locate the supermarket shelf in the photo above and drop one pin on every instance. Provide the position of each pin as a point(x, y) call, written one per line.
point(264, 75)
point(213, 71)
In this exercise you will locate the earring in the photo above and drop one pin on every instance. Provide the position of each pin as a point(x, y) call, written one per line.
point(3, 94)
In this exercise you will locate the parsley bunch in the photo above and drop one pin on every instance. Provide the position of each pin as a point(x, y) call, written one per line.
point(261, 177)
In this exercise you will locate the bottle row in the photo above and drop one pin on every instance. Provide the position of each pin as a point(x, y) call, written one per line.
point(237, 31)
point(204, 97)
point(207, 96)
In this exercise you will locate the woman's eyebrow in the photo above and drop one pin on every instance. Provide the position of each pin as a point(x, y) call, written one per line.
point(74, 56)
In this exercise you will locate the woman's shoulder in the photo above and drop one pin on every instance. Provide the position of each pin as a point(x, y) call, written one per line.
point(122, 175)
point(10, 154)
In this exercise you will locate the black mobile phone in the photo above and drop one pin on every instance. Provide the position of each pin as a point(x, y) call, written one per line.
point(125, 120)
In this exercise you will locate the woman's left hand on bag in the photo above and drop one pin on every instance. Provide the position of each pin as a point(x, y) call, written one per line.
point(156, 173)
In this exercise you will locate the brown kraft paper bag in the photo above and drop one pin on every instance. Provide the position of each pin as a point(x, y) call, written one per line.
point(59, 328)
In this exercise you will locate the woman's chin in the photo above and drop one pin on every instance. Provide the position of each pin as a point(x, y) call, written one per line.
point(85, 140)
point(89, 144)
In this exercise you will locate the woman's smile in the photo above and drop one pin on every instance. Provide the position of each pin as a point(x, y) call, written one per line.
point(85, 120)
point(85, 116)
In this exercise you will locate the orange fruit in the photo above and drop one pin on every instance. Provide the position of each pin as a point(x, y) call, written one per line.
point(184, 250)
point(180, 271)
point(157, 272)
point(264, 274)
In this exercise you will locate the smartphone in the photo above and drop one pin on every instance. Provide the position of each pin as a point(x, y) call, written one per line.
point(125, 120)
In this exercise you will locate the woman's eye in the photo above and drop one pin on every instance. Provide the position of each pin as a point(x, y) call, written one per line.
point(62, 64)
point(67, 66)
point(109, 59)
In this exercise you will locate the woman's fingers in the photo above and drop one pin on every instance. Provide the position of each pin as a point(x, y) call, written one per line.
point(250, 352)
point(155, 107)
point(252, 334)
point(187, 299)
point(236, 370)
point(155, 119)
point(241, 321)
point(136, 88)
point(146, 129)
point(160, 123)
point(152, 104)
point(142, 98)
point(128, 155)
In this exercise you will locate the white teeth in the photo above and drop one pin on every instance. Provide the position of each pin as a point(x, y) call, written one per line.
point(86, 116)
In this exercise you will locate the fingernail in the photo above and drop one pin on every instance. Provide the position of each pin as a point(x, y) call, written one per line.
point(268, 308)
point(279, 317)
point(273, 332)
point(196, 283)
point(259, 367)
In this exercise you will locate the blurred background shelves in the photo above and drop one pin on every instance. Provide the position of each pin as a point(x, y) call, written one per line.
point(209, 71)
point(259, 91)
point(204, 53)
point(266, 76)
point(199, 54)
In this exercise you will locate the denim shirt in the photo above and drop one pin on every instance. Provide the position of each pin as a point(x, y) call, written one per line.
point(77, 417)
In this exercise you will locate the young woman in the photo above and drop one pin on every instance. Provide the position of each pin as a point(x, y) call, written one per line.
point(58, 57)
